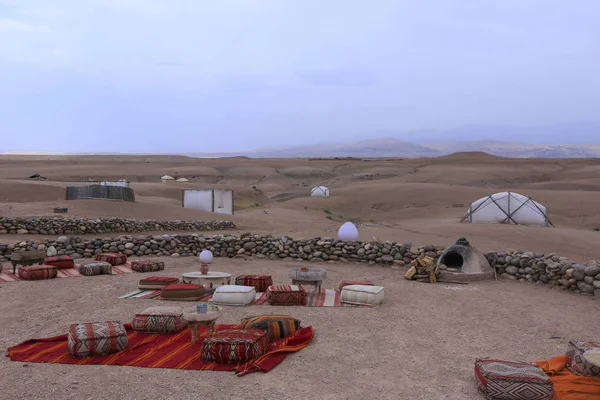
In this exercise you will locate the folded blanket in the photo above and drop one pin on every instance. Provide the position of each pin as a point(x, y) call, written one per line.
point(567, 385)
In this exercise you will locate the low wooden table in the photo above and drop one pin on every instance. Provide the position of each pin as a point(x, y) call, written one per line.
point(195, 320)
point(27, 258)
point(213, 277)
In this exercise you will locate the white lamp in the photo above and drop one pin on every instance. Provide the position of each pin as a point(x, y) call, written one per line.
point(348, 232)
point(206, 257)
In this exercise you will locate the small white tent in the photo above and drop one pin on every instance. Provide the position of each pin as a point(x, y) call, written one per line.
point(166, 178)
point(319, 191)
point(182, 180)
point(507, 208)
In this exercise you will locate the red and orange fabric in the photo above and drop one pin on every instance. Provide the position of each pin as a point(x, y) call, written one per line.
point(567, 385)
point(160, 351)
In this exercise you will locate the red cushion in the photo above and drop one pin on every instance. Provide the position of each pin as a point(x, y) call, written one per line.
point(160, 279)
point(235, 346)
point(37, 272)
point(60, 262)
point(182, 286)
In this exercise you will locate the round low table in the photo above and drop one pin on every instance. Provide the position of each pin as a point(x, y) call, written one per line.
point(314, 277)
point(213, 277)
point(196, 320)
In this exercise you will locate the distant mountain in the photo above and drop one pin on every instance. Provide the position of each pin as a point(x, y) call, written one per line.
point(390, 147)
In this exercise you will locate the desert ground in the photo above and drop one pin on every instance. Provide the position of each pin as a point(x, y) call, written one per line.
point(419, 344)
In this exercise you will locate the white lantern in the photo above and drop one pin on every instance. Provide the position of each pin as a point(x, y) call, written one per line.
point(348, 232)
point(206, 256)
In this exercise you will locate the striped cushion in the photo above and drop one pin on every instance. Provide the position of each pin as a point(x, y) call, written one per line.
point(287, 295)
point(60, 262)
point(37, 272)
point(348, 283)
point(156, 282)
point(91, 268)
point(260, 282)
point(182, 292)
point(159, 319)
point(97, 338)
point(234, 346)
point(112, 258)
point(277, 326)
point(509, 380)
point(362, 294)
point(147, 265)
point(577, 363)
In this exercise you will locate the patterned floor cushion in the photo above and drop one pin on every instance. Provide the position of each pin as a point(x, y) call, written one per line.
point(260, 282)
point(348, 283)
point(182, 292)
point(97, 338)
point(287, 295)
point(362, 294)
point(112, 258)
point(234, 295)
point(277, 326)
point(159, 319)
point(156, 282)
point(577, 363)
point(147, 265)
point(60, 262)
point(508, 380)
point(234, 346)
point(37, 272)
point(91, 268)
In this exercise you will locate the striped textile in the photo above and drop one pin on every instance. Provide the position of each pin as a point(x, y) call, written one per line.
point(148, 350)
point(6, 276)
point(324, 298)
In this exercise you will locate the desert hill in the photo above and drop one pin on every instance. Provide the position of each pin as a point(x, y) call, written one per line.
point(410, 199)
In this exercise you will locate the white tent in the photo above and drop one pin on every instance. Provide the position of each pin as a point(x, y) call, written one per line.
point(182, 180)
point(319, 191)
point(507, 208)
point(166, 178)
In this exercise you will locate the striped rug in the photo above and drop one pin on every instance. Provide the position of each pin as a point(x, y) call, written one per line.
point(8, 276)
point(325, 298)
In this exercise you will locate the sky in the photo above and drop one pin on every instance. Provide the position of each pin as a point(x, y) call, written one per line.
point(229, 75)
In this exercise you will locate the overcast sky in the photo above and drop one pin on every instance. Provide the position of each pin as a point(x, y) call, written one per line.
point(199, 75)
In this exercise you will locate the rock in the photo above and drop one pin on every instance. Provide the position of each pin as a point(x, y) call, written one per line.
point(508, 276)
point(414, 250)
point(596, 284)
point(512, 270)
point(129, 245)
point(387, 258)
point(592, 270)
point(249, 246)
point(585, 287)
point(175, 255)
point(51, 252)
point(544, 278)
point(579, 272)
point(22, 232)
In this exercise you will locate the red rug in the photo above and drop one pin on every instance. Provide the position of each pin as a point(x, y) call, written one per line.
point(159, 351)
point(7, 276)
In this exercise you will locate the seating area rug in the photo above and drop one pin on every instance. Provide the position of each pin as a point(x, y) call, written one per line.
point(324, 298)
point(8, 276)
point(567, 385)
point(175, 351)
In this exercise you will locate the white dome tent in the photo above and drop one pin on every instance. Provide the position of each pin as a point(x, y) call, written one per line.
point(166, 178)
point(507, 208)
point(319, 191)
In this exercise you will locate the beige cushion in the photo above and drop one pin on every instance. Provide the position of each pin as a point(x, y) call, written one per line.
point(234, 295)
point(362, 294)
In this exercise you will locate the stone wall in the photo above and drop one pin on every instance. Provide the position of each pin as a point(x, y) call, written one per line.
point(548, 269)
point(269, 247)
point(79, 226)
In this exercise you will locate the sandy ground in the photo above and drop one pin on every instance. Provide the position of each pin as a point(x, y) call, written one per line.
point(420, 344)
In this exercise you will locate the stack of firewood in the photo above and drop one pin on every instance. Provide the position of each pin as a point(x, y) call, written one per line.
point(423, 269)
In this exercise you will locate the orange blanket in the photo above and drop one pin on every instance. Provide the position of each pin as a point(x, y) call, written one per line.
point(567, 385)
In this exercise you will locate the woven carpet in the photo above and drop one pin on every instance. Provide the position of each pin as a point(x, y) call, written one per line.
point(8, 276)
point(174, 351)
point(324, 298)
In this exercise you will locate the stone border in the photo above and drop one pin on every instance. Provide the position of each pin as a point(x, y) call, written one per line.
point(79, 226)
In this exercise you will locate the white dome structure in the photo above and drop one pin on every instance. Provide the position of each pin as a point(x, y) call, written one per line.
point(166, 178)
point(507, 208)
point(319, 191)
point(182, 180)
point(348, 232)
